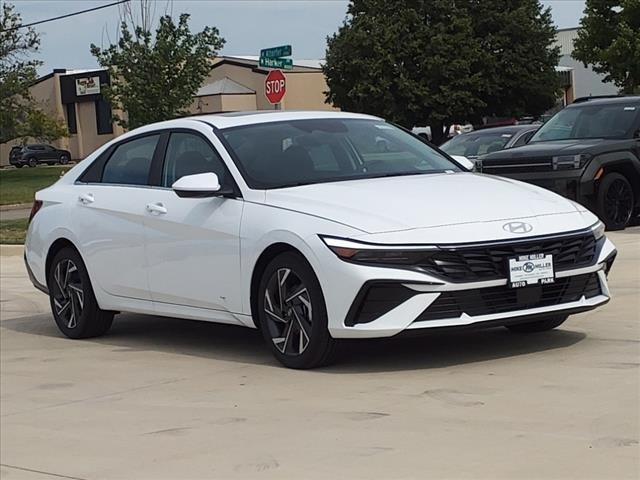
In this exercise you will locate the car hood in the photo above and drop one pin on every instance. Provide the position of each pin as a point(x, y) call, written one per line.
point(548, 149)
point(413, 202)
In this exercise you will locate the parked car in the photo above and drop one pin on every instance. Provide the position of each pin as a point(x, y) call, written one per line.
point(456, 129)
point(34, 154)
point(296, 223)
point(481, 142)
point(588, 152)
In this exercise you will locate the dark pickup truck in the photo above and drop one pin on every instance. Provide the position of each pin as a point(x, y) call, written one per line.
point(589, 152)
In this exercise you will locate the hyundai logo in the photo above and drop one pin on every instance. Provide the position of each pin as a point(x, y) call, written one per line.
point(517, 227)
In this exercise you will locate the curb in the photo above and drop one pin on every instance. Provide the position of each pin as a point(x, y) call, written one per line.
point(16, 206)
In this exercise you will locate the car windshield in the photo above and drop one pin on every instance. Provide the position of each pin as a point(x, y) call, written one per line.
point(473, 145)
point(301, 152)
point(589, 121)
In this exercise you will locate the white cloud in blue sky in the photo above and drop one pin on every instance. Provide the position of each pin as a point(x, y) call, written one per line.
point(246, 25)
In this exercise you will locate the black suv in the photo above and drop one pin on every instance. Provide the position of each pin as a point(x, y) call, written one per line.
point(34, 154)
point(589, 152)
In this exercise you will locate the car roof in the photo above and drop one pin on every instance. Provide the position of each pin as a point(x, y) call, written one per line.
point(234, 119)
point(633, 99)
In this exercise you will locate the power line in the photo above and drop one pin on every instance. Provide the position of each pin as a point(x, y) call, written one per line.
point(65, 16)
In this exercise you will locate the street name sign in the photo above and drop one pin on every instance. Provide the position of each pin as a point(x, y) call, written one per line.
point(276, 52)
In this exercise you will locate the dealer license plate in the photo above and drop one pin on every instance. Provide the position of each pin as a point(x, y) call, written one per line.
point(530, 270)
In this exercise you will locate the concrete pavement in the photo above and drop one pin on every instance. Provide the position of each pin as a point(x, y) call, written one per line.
point(164, 398)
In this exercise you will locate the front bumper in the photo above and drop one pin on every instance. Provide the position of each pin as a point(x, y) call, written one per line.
point(386, 306)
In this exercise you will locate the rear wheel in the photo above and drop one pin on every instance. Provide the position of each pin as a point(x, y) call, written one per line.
point(615, 201)
point(32, 162)
point(64, 159)
point(539, 325)
point(292, 313)
point(73, 303)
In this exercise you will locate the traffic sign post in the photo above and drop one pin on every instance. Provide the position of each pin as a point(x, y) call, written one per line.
point(275, 86)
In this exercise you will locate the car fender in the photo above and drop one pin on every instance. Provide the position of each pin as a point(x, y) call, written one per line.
point(608, 161)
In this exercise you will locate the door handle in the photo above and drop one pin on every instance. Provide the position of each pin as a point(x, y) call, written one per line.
point(157, 208)
point(86, 198)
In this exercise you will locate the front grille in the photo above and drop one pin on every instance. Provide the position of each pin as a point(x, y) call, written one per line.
point(472, 264)
point(486, 301)
point(517, 165)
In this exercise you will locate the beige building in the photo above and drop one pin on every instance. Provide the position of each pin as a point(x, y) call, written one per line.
point(73, 97)
point(234, 84)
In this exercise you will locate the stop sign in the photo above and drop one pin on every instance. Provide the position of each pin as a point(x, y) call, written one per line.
point(275, 86)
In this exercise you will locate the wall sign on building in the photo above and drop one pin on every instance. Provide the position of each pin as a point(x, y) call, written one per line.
point(87, 86)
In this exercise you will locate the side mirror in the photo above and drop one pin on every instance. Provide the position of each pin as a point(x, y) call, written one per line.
point(199, 185)
point(467, 164)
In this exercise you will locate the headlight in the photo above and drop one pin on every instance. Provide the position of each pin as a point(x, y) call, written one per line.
point(570, 162)
point(370, 253)
point(598, 230)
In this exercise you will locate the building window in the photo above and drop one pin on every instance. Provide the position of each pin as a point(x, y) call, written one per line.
point(104, 121)
point(72, 124)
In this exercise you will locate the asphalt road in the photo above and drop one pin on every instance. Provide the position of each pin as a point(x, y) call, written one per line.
point(163, 398)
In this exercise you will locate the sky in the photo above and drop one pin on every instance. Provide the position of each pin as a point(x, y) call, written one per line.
point(247, 26)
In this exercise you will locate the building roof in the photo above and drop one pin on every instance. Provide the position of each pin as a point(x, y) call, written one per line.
point(251, 61)
point(224, 86)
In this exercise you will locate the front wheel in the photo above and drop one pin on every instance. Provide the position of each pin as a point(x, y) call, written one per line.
point(543, 325)
point(615, 201)
point(292, 313)
point(73, 302)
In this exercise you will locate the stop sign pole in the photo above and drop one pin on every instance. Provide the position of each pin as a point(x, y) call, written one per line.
point(275, 86)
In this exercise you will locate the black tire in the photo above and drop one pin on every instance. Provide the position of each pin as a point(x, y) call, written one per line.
point(539, 325)
point(615, 201)
point(32, 162)
point(68, 281)
point(64, 159)
point(286, 338)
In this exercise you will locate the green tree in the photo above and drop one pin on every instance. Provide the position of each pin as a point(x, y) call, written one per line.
point(609, 40)
point(20, 115)
point(413, 64)
point(517, 40)
point(154, 78)
point(438, 62)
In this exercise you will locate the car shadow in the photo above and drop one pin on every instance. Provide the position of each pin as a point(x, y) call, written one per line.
point(136, 333)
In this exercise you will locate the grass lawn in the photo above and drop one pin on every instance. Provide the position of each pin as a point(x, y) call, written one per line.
point(13, 231)
point(18, 185)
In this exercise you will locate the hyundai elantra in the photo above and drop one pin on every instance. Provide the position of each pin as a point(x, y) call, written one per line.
point(311, 226)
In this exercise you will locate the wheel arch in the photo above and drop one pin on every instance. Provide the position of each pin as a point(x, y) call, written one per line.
point(54, 248)
point(624, 163)
point(627, 170)
point(268, 254)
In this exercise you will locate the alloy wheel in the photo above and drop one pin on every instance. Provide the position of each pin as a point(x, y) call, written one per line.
point(619, 202)
point(289, 312)
point(68, 294)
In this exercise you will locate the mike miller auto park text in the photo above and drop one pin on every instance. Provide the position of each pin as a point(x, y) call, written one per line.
point(348, 239)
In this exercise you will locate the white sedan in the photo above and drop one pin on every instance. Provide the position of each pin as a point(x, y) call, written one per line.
point(302, 225)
